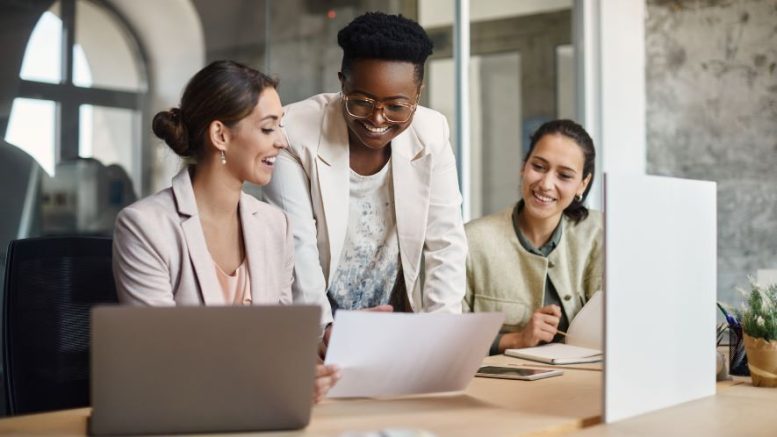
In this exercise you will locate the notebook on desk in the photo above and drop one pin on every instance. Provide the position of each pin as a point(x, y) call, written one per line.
point(557, 353)
point(583, 339)
point(202, 369)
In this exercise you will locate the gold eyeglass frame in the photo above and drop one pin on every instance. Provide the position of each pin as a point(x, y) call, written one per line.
point(375, 103)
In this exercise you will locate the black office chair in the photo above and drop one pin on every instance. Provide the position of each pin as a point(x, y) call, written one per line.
point(50, 285)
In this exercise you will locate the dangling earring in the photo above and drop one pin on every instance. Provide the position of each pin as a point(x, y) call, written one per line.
point(578, 197)
point(223, 157)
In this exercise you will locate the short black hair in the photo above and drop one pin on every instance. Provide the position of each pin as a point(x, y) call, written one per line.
point(376, 35)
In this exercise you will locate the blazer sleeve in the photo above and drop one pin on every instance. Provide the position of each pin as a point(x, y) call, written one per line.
point(290, 191)
point(445, 245)
point(468, 304)
point(142, 276)
point(288, 265)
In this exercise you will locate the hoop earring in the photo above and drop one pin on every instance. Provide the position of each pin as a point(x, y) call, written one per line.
point(223, 157)
point(578, 197)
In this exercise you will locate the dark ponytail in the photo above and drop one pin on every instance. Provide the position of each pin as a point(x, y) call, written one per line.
point(576, 211)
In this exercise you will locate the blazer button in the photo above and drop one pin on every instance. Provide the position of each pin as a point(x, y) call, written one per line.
point(567, 297)
point(551, 264)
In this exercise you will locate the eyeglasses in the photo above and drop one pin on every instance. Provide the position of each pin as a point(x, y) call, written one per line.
point(393, 111)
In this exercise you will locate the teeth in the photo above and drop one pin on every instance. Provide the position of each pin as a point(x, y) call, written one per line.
point(543, 198)
point(270, 160)
point(376, 130)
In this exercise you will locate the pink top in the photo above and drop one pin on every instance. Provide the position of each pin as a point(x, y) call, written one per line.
point(236, 287)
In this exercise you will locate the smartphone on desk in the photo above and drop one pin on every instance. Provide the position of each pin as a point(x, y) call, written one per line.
point(516, 373)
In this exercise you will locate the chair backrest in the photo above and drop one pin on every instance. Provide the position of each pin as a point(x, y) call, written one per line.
point(50, 286)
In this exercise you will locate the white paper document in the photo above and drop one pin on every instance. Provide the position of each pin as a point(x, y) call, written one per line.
point(394, 354)
point(585, 330)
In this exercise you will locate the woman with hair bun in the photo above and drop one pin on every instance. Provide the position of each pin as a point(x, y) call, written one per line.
point(540, 261)
point(203, 241)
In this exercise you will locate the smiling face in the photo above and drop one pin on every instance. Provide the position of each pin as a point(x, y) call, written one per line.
point(255, 141)
point(385, 82)
point(552, 176)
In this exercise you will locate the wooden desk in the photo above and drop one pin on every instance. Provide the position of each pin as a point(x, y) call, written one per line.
point(738, 409)
point(492, 407)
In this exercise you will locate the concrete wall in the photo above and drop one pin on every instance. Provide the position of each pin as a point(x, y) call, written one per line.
point(712, 114)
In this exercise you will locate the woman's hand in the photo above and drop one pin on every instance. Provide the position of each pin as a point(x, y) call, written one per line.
point(379, 309)
point(326, 377)
point(542, 327)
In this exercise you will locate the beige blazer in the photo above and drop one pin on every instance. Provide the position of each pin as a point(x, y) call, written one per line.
point(503, 276)
point(160, 256)
point(311, 183)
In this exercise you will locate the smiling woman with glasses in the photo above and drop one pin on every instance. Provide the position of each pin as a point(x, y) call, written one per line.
point(369, 181)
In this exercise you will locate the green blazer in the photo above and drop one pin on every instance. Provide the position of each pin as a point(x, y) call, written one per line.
point(503, 276)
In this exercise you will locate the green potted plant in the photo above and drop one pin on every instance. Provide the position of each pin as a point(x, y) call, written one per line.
point(759, 324)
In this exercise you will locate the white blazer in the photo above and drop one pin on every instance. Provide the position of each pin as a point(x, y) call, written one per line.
point(160, 257)
point(311, 183)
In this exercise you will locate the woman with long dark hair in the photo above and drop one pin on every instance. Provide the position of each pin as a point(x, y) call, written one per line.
point(540, 260)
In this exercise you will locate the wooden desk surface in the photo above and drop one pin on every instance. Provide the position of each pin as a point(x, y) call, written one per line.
point(738, 409)
point(493, 407)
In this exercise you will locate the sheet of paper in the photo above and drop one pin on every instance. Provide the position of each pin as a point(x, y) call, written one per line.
point(585, 330)
point(394, 354)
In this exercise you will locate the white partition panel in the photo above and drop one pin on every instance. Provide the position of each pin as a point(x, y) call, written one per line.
point(660, 276)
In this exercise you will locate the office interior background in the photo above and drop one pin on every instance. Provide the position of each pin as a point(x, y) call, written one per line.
point(81, 80)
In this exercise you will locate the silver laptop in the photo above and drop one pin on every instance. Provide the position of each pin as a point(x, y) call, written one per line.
point(202, 369)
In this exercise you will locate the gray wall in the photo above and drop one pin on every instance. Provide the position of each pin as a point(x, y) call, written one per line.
point(712, 114)
point(297, 42)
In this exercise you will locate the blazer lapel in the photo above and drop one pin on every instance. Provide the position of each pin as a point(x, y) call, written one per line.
point(195, 239)
point(411, 175)
point(333, 179)
point(254, 235)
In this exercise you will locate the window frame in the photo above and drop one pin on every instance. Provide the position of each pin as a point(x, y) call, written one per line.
point(70, 97)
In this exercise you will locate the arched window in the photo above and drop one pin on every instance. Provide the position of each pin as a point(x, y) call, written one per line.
point(83, 90)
